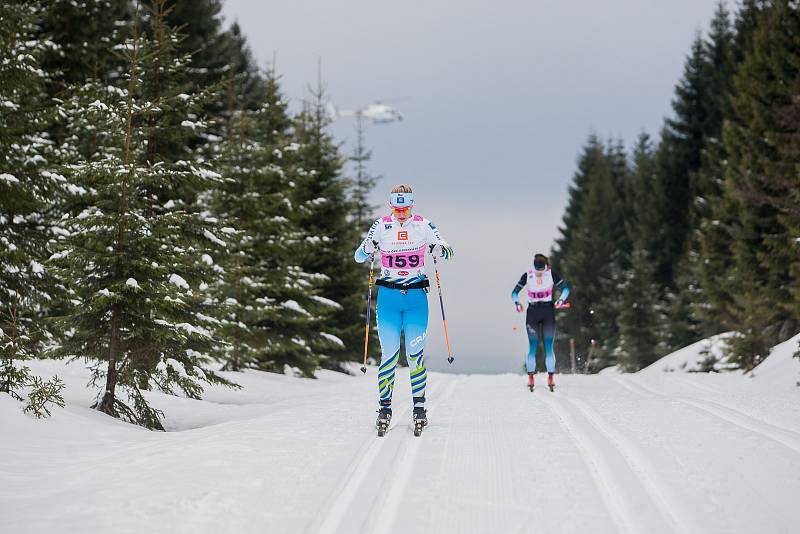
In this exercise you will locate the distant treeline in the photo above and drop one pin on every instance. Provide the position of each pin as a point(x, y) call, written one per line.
point(163, 214)
point(698, 233)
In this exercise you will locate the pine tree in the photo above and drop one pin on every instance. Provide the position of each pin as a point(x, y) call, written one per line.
point(28, 160)
point(641, 312)
point(136, 260)
point(717, 265)
point(640, 315)
point(708, 255)
point(220, 57)
point(592, 263)
point(679, 157)
point(612, 199)
point(321, 210)
point(363, 182)
point(761, 140)
point(569, 254)
point(274, 314)
point(592, 156)
point(361, 211)
point(85, 32)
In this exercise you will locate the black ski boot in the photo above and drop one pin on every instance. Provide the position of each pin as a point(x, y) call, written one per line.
point(420, 420)
point(384, 417)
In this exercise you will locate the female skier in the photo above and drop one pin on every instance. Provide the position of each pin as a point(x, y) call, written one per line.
point(402, 240)
point(541, 318)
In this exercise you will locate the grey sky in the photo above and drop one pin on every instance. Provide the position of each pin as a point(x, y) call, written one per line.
point(497, 98)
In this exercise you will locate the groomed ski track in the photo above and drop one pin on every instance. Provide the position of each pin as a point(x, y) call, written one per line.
point(603, 454)
point(499, 458)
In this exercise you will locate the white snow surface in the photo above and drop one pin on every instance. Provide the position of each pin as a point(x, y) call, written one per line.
point(651, 452)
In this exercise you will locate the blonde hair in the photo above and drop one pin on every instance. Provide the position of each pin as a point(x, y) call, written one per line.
point(402, 188)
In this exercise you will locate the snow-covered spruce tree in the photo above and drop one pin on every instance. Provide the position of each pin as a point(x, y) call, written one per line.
point(84, 31)
point(761, 138)
point(217, 54)
point(27, 181)
point(321, 210)
point(137, 259)
point(273, 312)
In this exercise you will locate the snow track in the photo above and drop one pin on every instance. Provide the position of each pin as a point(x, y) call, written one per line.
point(786, 437)
point(367, 500)
point(354, 496)
point(664, 453)
point(622, 473)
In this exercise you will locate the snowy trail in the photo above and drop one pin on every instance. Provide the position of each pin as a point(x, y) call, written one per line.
point(784, 436)
point(602, 454)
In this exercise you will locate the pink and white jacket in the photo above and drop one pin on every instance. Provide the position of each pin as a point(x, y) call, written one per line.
point(401, 247)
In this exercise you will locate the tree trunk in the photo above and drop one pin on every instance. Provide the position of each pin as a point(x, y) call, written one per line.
point(106, 404)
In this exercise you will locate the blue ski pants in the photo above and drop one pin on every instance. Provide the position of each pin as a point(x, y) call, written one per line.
point(399, 313)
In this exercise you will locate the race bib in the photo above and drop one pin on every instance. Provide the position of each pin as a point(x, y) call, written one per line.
point(540, 294)
point(404, 260)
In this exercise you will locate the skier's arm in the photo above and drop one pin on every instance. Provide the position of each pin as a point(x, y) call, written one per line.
point(563, 285)
point(517, 288)
point(436, 241)
point(369, 245)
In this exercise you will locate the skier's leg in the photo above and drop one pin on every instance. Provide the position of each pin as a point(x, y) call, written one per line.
point(533, 339)
point(549, 337)
point(389, 317)
point(415, 326)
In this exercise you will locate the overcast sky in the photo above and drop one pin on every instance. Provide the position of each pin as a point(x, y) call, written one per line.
point(497, 98)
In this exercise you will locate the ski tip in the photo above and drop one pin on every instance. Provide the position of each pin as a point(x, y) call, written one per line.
point(364, 369)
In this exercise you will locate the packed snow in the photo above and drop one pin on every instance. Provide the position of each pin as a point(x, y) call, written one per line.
point(652, 452)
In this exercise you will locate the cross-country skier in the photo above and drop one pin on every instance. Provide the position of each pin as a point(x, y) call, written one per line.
point(401, 239)
point(541, 317)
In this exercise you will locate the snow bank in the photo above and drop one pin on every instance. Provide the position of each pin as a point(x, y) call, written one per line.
point(780, 368)
point(690, 359)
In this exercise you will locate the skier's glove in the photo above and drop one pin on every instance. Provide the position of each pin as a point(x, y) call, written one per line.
point(519, 307)
point(559, 303)
point(445, 251)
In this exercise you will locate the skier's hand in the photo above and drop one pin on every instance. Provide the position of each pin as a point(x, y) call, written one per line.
point(519, 307)
point(559, 303)
point(444, 251)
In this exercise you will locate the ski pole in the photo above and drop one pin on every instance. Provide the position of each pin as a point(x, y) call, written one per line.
point(369, 309)
point(441, 304)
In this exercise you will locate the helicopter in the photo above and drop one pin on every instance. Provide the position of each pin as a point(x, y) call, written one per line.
point(377, 112)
